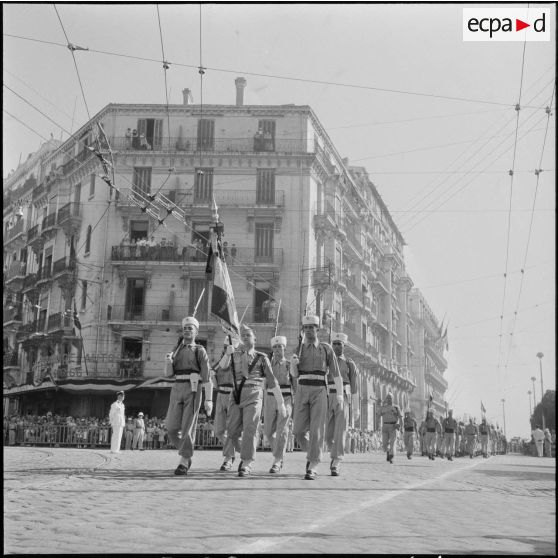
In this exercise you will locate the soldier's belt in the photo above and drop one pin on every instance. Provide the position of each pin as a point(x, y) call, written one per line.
point(431, 430)
point(390, 423)
point(409, 429)
point(225, 390)
point(346, 389)
point(449, 430)
point(254, 382)
point(283, 392)
point(312, 378)
point(184, 374)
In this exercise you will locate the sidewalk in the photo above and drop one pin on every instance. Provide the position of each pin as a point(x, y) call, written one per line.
point(91, 501)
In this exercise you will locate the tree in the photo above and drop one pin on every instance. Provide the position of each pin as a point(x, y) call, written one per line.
point(549, 406)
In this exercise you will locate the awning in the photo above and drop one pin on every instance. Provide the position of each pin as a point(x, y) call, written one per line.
point(96, 385)
point(29, 388)
point(156, 383)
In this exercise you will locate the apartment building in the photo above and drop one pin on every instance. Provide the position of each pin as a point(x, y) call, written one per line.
point(428, 361)
point(304, 232)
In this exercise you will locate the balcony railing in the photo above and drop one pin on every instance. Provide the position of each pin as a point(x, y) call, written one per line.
point(17, 269)
point(33, 232)
point(11, 314)
point(76, 161)
point(63, 264)
point(15, 230)
point(151, 313)
point(71, 209)
point(10, 359)
point(49, 221)
point(249, 256)
point(215, 145)
point(44, 273)
point(59, 321)
point(135, 252)
point(29, 280)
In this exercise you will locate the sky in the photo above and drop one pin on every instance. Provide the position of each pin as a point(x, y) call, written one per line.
point(431, 117)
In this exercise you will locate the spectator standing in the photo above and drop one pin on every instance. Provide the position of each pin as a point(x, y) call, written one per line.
point(117, 421)
point(129, 433)
point(538, 437)
point(139, 432)
point(128, 136)
point(547, 443)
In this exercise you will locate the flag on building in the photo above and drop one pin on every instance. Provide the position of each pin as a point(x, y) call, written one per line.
point(222, 297)
point(483, 410)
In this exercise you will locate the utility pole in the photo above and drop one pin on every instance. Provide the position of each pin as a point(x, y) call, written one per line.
point(504, 413)
point(540, 357)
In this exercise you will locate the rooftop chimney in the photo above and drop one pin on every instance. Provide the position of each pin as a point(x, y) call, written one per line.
point(240, 83)
point(187, 94)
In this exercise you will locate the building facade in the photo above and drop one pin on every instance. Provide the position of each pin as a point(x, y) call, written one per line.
point(304, 232)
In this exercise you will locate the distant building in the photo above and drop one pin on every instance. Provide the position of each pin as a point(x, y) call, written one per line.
point(304, 231)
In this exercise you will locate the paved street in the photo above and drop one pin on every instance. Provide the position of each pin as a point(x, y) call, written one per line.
point(92, 501)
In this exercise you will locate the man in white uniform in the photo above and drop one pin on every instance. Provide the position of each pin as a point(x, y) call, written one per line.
point(117, 420)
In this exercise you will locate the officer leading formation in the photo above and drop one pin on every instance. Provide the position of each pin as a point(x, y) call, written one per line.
point(316, 391)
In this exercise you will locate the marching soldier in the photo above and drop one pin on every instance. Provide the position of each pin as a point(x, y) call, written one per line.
point(311, 366)
point(484, 434)
point(450, 428)
point(337, 418)
point(223, 376)
point(189, 363)
point(471, 432)
point(276, 427)
point(422, 434)
point(391, 423)
point(459, 439)
point(250, 368)
point(410, 430)
point(432, 429)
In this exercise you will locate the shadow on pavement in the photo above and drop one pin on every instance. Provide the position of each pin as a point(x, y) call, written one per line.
point(540, 548)
point(520, 475)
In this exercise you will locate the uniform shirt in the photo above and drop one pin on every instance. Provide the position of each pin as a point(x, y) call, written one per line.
point(185, 359)
point(390, 414)
point(450, 423)
point(409, 422)
point(471, 430)
point(483, 429)
point(224, 376)
point(242, 361)
point(431, 422)
point(315, 356)
point(348, 373)
point(281, 370)
point(538, 435)
point(116, 414)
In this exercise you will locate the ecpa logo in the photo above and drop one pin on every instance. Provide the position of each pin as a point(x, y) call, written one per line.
point(506, 24)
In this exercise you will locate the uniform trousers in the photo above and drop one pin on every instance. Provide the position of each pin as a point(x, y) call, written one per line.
point(128, 436)
point(221, 412)
point(471, 440)
point(116, 439)
point(309, 420)
point(137, 441)
point(449, 443)
point(409, 441)
point(547, 448)
point(423, 447)
point(243, 420)
point(484, 443)
point(337, 419)
point(389, 435)
point(539, 446)
point(276, 427)
point(431, 443)
point(457, 444)
point(182, 416)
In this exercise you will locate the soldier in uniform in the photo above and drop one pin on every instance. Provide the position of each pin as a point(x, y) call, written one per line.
point(471, 432)
point(189, 364)
point(337, 417)
point(433, 428)
point(391, 423)
point(449, 426)
point(484, 432)
point(250, 368)
point(224, 379)
point(422, 434)
point(311, 367)
point(410, 430)
point(276, 427)
point(459, 439)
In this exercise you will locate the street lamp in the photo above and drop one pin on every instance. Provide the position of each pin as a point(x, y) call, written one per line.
point(504, 413)
point(530, 407)
point(540, 357)
point(534, 396)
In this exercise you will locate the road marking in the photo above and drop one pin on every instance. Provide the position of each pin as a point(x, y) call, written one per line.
point(265, 544)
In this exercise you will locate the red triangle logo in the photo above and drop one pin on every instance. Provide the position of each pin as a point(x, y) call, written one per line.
point(519, 25)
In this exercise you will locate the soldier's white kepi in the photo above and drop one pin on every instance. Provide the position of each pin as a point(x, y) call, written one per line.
point(191, 321)
point(279, 340)
point(311, 320)
point(339, 337)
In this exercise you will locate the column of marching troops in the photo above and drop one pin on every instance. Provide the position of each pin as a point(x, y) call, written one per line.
point(325, 382)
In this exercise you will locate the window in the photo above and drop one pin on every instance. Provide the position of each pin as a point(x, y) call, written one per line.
point(83, 294)
point(135, 293)
point(77, 194)
point(131, 348)
point(206, 135)
point(264, 242)
point(88, 240)
point(138, 230)
point(92, 186)
point(152, 129)
point(266, 130)
point(262, 300)
point(203, 189)
point(196, 288)
point(142, 180)
point(265, 186)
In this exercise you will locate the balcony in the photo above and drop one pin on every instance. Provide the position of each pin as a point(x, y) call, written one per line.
point(249, 256)
point(69, 218)
point(49, 227)
point(15, 275)
point(10, 359)
point(436, 354)
point(212, 145)
point(135, 253)
point(15, 238)
point(11, 316)
point(353, 242)
point(34, 239)
point(77, 161)
point(151, 313)
point(44, 274)
point(60, 321)
point(63, 266)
